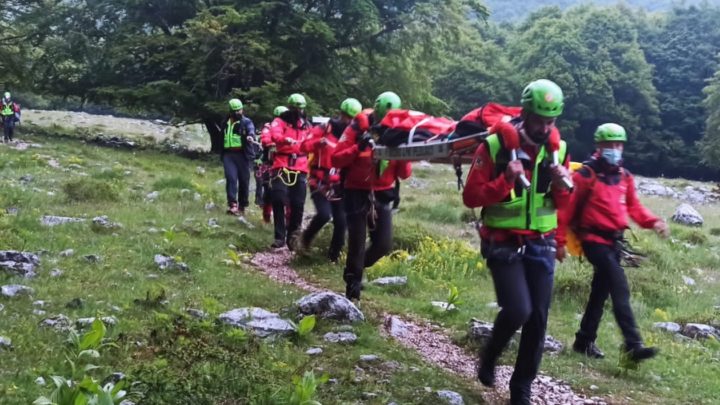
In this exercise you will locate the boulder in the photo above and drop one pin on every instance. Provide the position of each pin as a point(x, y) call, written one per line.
point(53, 220)
point(671, 327)
point(329, 305)
point(699, 331)
point(102, 223)
point(15, 290)
point(261, 322)
point(21, 264)
point(450, 397)
point(687, 215)
point(340, 337)
point(390, 281)
point(369, 358)
point(5, 343)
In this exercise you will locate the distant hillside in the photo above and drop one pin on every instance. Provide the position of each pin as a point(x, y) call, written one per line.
point(510, 10)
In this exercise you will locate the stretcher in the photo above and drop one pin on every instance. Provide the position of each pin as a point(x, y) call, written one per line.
point(446, 150)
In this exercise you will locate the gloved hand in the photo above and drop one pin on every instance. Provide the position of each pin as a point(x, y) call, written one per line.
point(364, 141)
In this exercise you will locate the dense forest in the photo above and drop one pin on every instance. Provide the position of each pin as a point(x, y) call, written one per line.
point(656, 72)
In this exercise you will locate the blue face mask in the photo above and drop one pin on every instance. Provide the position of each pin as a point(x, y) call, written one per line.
point(612, 156)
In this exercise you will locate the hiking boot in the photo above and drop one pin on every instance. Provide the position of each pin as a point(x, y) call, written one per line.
point(486, 373)
point(352, 290)
point(277, 244)
point(640, 353)
point(233, 209)
point(588, 349)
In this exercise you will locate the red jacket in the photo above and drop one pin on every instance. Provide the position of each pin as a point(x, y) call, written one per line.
point(322, 153)
point(265, 137)
point(484, 188)
point(280, 131)
point(361, 171)
point(603, 200)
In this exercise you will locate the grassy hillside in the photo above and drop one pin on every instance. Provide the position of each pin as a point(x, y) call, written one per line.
point(175, 358)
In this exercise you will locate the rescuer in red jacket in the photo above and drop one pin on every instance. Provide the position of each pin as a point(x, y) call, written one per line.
point(325, 180)
point(289, 169)
point(368, 192)
point(519, 177)
point(603, 200)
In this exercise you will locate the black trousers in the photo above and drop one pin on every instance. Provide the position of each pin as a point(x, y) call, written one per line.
point(325, 210)
point(8, 126)
point(237, 177)
point(523, 279)
point(291, 194)
point(608, 280)
point(360, 221)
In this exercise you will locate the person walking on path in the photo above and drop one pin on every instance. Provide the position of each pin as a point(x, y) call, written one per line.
point(520, 180)
point(237, 155)
point(325, 185)
point(603, 200)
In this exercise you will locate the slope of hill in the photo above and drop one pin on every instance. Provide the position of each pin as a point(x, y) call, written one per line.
point(165, 206)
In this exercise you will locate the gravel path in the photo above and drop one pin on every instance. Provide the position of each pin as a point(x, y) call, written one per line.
point(431, 343)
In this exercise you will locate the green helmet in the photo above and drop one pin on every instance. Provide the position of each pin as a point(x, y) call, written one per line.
point(279, 110)
point(351, 107)
point(296, 100)
point(610, 133)
point(385, 102)
point(543, 97)
point(7, 95)
point(236, 104)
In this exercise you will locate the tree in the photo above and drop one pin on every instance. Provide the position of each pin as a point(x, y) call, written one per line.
point(710, 144)
point(593, 54)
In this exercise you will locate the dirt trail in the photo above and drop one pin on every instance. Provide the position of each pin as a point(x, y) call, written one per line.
point(431, 343)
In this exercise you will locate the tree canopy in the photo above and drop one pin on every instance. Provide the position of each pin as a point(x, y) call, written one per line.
point(183, 59)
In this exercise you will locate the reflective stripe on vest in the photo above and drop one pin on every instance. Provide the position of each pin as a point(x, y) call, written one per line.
point(7, 109)
point(232, 140)
point(532, 210)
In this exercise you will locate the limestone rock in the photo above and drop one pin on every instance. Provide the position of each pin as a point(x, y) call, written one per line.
point(340, 337)
point(699, 331)
point(102, 223)
point(261, 322)
point(450, 397)
point(53, 220)
point(166, 262)
point(552, 345)
point(671, 327)
point(687, 215)
point(58, 322)
point(15, 290)
point(390, 281)
point(329, 305)
point(19, 263)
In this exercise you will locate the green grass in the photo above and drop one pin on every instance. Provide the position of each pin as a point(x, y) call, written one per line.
point(173, 359)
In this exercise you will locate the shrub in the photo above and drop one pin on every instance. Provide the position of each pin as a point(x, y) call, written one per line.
point(89, 190)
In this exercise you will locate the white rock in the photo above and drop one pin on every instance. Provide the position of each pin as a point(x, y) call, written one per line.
point(687, 215)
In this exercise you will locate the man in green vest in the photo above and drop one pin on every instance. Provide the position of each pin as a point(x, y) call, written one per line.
point(519, 177)
point(239, 146)
point(10, 114)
